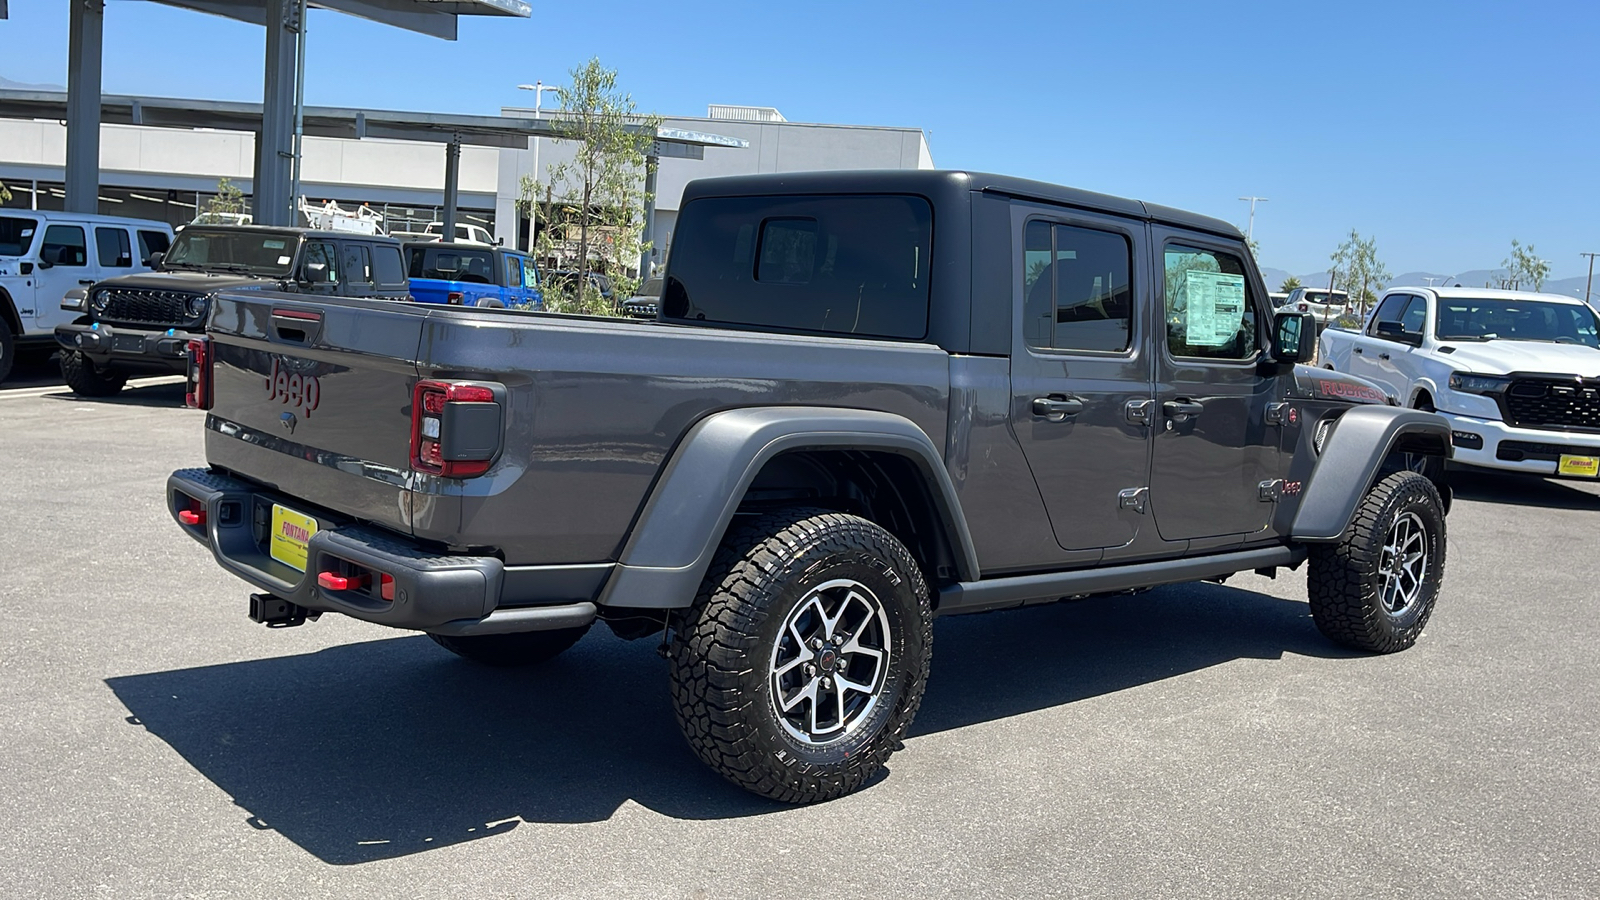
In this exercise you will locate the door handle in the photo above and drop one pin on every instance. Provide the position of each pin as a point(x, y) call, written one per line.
point(1383, 356)
point(1359, 350)
point(1056, 408)
point(1177, 408)
point(86, 281)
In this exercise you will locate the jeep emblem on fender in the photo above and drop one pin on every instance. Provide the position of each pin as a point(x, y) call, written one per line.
point(302, 392)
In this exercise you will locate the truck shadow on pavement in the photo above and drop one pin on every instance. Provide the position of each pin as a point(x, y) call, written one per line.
point(158, 396)
point(1522, 490)
point(386, 748)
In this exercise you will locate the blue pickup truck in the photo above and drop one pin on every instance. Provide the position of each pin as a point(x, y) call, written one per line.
point(463, 274)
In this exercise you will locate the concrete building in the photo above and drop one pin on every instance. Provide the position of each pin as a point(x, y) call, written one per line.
point(168, 174)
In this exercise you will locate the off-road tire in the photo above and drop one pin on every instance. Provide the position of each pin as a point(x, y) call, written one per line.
point(8, 344)
point(1344, 581)
point(724, 649)
point(522, 648)
point(85, 379)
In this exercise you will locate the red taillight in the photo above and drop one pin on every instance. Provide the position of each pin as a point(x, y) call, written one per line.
point(386, 587)
point(1304, 308)
point(198, 395)
point(192, 516)
point(454, 297)
point(466, 415)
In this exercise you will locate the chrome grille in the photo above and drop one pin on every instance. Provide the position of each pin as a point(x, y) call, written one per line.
point(1549, 403)
point(144, 306)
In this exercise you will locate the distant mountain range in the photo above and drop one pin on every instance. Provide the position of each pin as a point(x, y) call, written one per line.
point(9, 85)
point(1475, 278)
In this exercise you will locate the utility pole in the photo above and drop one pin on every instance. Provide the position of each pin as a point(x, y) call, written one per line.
point(1588, 285)
point(1250, 230)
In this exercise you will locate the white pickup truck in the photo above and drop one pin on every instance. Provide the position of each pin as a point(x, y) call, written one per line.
point(1516, 373)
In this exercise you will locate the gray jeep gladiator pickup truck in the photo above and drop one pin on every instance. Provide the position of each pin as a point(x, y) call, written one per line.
point(868, 399)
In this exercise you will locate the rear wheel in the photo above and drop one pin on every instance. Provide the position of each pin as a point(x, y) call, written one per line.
point(802, 662)
point(1375, 588)
point(523, 648)
point(86, 379)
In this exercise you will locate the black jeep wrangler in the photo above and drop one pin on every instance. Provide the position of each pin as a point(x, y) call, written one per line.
point(142, 324)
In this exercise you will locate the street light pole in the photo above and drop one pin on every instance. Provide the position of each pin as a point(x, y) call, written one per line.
point(538, 88)
point(1250, 230)
point(1589, 285)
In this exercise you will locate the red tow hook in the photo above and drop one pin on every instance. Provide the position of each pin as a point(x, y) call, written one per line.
point(334, 582)
point(192, 516)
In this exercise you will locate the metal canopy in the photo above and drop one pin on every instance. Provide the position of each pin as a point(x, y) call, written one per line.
point(326, 121)
point(431, 17)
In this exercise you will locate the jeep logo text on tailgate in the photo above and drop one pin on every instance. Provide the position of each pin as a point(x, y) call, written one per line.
point(302, 392)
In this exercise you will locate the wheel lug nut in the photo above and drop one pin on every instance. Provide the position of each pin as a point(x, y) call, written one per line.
point(816, 643)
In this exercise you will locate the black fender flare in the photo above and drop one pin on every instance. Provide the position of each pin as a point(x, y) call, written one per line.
point(700, 487)
point(9, 314)
point(1351, 458)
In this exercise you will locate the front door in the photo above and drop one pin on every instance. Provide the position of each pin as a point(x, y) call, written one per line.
point(1214, 445)
point(65, 248)
point(1081, 372)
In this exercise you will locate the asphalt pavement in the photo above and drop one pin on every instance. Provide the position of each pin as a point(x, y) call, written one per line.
point(1193, 741)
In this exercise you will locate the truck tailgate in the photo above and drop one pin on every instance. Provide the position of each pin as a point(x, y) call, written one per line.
point(315, 393)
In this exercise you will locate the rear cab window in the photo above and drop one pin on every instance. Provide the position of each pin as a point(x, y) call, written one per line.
point(853, 264)
point(446, 263)
point(113, 247)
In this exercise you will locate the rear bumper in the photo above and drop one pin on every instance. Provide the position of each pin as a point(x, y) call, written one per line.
point(430, 591)
point(1512, 449)
point(107, 345)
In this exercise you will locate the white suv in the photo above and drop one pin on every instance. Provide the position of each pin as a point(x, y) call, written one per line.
point(44, 254)
point(1322, 303)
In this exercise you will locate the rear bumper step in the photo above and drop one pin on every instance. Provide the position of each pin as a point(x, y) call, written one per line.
point(391, 580)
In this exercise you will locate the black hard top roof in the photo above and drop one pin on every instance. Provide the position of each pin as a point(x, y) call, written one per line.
point(935, 182)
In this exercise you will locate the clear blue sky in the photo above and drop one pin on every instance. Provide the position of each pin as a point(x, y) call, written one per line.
point(1443, 128)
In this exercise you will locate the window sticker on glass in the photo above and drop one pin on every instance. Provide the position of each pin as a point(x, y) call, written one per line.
point(1214, 304)
point(272, 245)
point(27, 232)
point(284, 260)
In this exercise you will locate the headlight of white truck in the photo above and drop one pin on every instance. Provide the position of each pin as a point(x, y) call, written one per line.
point(1468, 383)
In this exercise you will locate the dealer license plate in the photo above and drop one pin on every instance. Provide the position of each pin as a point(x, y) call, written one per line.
point(1580, 466)
point(291, 531)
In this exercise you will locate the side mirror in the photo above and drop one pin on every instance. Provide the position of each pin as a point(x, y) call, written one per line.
point(314, 273)
point(49, 256)
point(1294, 337)
point(155, 259)
point(1394, 331)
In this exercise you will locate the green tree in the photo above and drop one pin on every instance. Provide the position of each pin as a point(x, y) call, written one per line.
point(1524, 265)
point(5, 195)
point(1289, 284)
point(592, 205)
point(227, 201)
point(1358, 270)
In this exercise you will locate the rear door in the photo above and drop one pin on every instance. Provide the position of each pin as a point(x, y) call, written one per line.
point(357, 269)
point(513, 292)
point(1081, 373)
point(1214, 446)
point(1374, 357)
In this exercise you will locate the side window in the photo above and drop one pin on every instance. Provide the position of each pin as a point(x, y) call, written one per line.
point(386, 266)
point(530, 274)
point(1209, 310)
point(1077, 289)
point(113, 248)
point(64, 246)
point(320, 253)
point(1388, 311)
point(1415, 314)
point(513, 272)
point(357, 265)
point(151, 242)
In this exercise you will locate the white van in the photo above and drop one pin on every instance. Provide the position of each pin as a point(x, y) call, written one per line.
point(44, 254)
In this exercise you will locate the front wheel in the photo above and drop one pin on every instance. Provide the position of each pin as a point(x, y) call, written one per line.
point(1375, 588)
point(800, 665)
point(86, 379)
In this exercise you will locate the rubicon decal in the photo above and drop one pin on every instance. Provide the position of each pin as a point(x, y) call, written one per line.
point(1344, 390)
point(302, 392)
